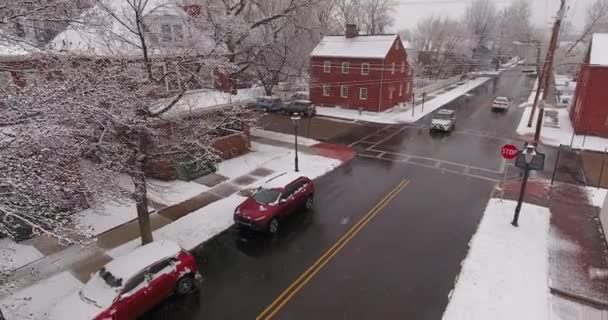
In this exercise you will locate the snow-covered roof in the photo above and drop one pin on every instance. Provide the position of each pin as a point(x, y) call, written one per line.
point(104, 35)
point(375, 47)
point(599, 49)
point(128, 265)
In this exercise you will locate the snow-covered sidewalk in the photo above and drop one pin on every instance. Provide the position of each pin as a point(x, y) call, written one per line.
point(401, 114)
point(505, 274)
point(563, 134)
point(189, 231)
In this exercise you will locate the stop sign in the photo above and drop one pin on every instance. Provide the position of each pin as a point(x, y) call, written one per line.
point(509, 151)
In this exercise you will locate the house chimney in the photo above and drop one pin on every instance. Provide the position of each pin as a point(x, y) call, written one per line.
point(351, 30)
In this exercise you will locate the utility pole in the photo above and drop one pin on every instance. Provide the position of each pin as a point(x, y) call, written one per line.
point(548, 69)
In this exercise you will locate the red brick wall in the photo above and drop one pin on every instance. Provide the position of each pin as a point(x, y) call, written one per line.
point(376, 82)
point(589, 111)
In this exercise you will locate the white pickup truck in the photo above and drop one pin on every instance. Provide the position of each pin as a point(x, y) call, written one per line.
point(501, 103)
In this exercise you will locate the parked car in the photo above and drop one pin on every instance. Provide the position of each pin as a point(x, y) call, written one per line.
point(501, 103)
point(300, 95)
point(130, 285)
point(301, 107)
point(443, 120)
point(269, 104)
point(265, 209)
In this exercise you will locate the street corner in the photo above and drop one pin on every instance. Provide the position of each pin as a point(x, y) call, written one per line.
point(335, 151)
point(537, 191)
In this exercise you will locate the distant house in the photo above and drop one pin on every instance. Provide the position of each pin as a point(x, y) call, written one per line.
point(360, 71)
point(589, 110)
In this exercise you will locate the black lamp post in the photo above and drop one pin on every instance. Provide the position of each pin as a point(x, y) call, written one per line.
point(529, 154)
point(296, 119)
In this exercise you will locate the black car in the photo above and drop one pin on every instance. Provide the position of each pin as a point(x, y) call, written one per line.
point(301, 107)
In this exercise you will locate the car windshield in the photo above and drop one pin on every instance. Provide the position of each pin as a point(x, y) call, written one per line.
point(442, 116)
point(266, 196)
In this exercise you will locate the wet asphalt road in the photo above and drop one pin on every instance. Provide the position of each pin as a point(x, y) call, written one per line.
point(404, 261)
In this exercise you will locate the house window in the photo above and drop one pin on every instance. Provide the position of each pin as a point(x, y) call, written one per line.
point(409, 71)
point(345, 67)
point(393, 68)
point(365, 69)
point(165, 31)
point(178, 32)
point(397, 45)
point(391, 92)
point(362, 93)
point(403, 67)
point(401, 90)
point(344, 91)
point(326, 90)
point(327, 66)
point(171, 33)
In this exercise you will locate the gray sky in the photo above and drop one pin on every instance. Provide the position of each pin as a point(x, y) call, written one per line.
point(409, 12)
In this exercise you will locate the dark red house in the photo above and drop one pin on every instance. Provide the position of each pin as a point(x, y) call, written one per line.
point(589, 110)
point(360, 71)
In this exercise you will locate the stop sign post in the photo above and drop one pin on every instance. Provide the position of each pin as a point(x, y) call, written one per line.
point(509, 151)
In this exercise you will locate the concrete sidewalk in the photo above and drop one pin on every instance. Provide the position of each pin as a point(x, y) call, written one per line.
point(81, 260)
point(576, 242)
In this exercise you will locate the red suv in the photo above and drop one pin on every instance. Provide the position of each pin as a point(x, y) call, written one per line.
point(265, 209)
point(130, 285)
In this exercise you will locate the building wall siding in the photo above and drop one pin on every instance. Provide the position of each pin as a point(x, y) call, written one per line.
point(589, 111)
point(380, 81)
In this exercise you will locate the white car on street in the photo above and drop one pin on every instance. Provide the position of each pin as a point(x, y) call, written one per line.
point(501, 103)
point(443, 120)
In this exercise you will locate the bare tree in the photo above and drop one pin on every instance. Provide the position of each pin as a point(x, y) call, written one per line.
point(596, 21)
point(377, 15)
point(480, 19)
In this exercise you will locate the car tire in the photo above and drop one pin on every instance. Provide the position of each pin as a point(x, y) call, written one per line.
point(273, 226)
point(185, 285)
point(309, 203)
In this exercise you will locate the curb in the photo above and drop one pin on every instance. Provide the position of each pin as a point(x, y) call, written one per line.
point(578, 298)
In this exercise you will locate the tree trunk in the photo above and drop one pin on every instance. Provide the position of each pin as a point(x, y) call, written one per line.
point(141, 202)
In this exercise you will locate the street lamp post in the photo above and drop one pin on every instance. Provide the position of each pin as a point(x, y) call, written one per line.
point(529, 154)
point(296, 119)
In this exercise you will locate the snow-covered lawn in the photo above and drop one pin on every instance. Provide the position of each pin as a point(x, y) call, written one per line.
point(201, 225)
point(173, 192)
point(33, 302)
point(505, 274)
point(282, 137)
point(563, 134)
point(14, 255)
point(201, 101)
point(400, 114)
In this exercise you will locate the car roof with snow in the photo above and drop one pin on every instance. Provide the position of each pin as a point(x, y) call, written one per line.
point(445, 111)
point(501, 98)
point(127, 266)
point(282, 180)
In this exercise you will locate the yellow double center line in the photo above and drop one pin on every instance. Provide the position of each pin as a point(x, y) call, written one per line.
point(280, 301)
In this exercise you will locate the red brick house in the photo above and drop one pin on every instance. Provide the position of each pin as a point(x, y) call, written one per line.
point(360, 71)
point(589, 110)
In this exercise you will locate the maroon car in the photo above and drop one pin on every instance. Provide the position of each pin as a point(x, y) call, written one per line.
point(269, 205)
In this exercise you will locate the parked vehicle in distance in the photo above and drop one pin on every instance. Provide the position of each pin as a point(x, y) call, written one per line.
point(268, 103)
point(265, 209)
point(501, 103)
point(443, 120)
point(301, 107)
point(300, 95)
point(130, 285)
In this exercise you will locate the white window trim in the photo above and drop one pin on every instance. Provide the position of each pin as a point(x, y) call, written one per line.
point(393, 68)
point(327, 67)
point(328, 92)
point(401, 89)
point(342, 88)
point(366, 65)
point(403, 67)
point(345, 67)
point(361, 95)
point(391, 93)
point(408, 88)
